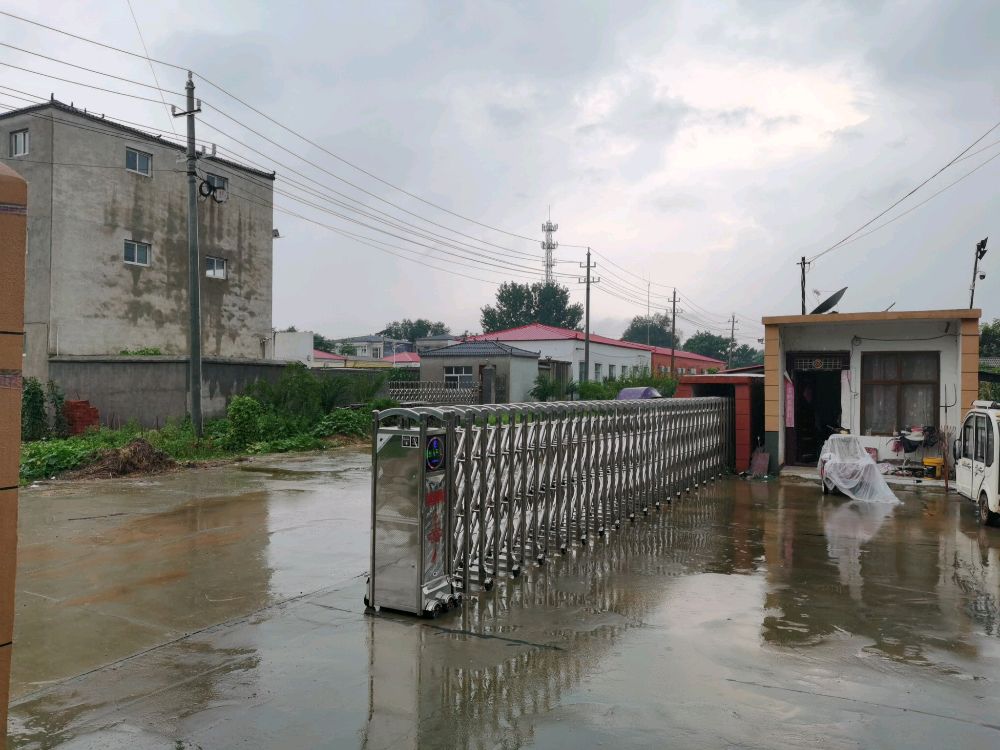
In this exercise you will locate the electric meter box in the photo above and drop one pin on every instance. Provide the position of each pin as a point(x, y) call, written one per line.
point(410, 546)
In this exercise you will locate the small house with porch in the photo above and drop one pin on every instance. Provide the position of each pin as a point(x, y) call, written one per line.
point(874, 374)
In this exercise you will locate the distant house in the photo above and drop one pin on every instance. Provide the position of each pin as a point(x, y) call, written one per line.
point(437, 341)
point(403, 359)
point(374, 346)
point(464, 364)
point(685, 363)
point(609, 358)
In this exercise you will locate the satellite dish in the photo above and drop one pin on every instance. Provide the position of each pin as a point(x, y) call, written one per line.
point(829, 303)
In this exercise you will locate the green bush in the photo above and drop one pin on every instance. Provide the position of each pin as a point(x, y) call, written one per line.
point(145, 351)
point(43, 459)
point(245, 415)
point(57, 400)
point(344, 422)
point(549, 389)
point(34, 419)
point(284, 445)
point(383, 403)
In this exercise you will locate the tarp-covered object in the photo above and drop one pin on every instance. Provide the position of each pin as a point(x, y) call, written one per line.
point(845, 465)
point(638, 392)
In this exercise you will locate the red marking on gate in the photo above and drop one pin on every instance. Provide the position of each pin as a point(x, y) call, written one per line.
point(434, 497)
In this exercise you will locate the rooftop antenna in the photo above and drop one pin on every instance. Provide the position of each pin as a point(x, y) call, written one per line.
point(829, 303)
point(548, 245)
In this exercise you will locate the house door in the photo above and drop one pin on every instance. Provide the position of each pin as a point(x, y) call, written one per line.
point(815, 404)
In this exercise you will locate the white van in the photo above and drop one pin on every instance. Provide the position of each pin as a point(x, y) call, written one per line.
point(977, 466)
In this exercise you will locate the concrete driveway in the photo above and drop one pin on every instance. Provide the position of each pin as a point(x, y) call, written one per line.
point(223, 608)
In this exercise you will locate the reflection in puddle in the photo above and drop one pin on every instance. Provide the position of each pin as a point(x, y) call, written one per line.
point(848, 526)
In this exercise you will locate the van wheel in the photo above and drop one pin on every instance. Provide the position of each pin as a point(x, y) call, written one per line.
point(986, 516)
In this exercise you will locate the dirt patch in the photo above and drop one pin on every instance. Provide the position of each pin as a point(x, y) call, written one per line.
point(138, 457)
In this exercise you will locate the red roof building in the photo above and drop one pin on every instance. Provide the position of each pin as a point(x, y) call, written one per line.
point(403, 359)
point(686, 363)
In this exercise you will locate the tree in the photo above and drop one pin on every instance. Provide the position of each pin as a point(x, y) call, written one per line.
point(521, 304)
point(324, 344)
point(989, 339)
point(411, 330)
point(348, 349)
point(658, 326)
point(708, 345)
point(744, 355)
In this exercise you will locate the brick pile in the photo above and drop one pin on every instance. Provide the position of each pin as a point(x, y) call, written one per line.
point(80, 416)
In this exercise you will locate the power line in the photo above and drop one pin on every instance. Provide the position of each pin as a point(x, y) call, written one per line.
point(152, 69)
point(281, 125)
point(896, 203)
point(85, 85)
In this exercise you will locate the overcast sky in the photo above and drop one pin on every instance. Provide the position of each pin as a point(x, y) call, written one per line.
point(700, 145)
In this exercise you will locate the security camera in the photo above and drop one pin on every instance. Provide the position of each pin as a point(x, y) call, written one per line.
point(982, 276)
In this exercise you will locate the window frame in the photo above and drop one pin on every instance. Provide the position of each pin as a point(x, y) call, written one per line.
point(214, 273)
point(12, 139)
point(136, 244)
point(899, 382)
point(597, 372)
point(456, 380)
point(138, 153)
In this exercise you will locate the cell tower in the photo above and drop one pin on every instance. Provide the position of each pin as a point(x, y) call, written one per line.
point(548, 245)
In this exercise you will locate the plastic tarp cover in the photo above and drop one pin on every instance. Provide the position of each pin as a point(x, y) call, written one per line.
point(845, 465)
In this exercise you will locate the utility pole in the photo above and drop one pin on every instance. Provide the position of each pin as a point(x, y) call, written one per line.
point(980, 252)
point(586, 326)
point(647, 311)
point(732, 341)
point(194, 261)
point(804, 266)
point(673, 334)
point(548, 245)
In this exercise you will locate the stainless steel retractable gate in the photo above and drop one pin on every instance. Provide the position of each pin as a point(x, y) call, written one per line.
point(522, 481)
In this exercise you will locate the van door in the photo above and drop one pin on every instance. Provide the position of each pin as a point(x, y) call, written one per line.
point(963, 465)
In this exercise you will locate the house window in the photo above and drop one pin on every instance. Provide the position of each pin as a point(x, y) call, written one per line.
point(899, 390)
point(458, 376)
point(583, 371)
point(597, 371)
point(217, 182)
point(138, 161)
point(215, 268)
point(20, 140)
point(611, 371)
point(136, 253)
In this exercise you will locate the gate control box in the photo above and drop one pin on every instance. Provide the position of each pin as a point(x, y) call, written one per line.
point(411, 547)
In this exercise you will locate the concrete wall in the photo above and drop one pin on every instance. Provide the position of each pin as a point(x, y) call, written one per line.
point(13, 231)
point(291, 346)
point(523, 372)
point(153, 390)
point(956, 341)
point(82, 299)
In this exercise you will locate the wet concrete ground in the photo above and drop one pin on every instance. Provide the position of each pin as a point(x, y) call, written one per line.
point(224, 609)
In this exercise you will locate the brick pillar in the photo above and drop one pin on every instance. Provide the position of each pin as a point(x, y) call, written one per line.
point(741, 411)
point(13, 236)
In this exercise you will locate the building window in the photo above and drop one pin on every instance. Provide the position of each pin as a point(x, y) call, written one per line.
point(20, 140)
point(215, 268)
point(597, 371)
point(137, 253)
point(899, 390)
point(217, 182)
point(458, 376)
point(138, 161)
point(583, 371)
point(611, 371)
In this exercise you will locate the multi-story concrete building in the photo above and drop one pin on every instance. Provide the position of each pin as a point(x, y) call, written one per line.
point(374, 346)
point(107, 265)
